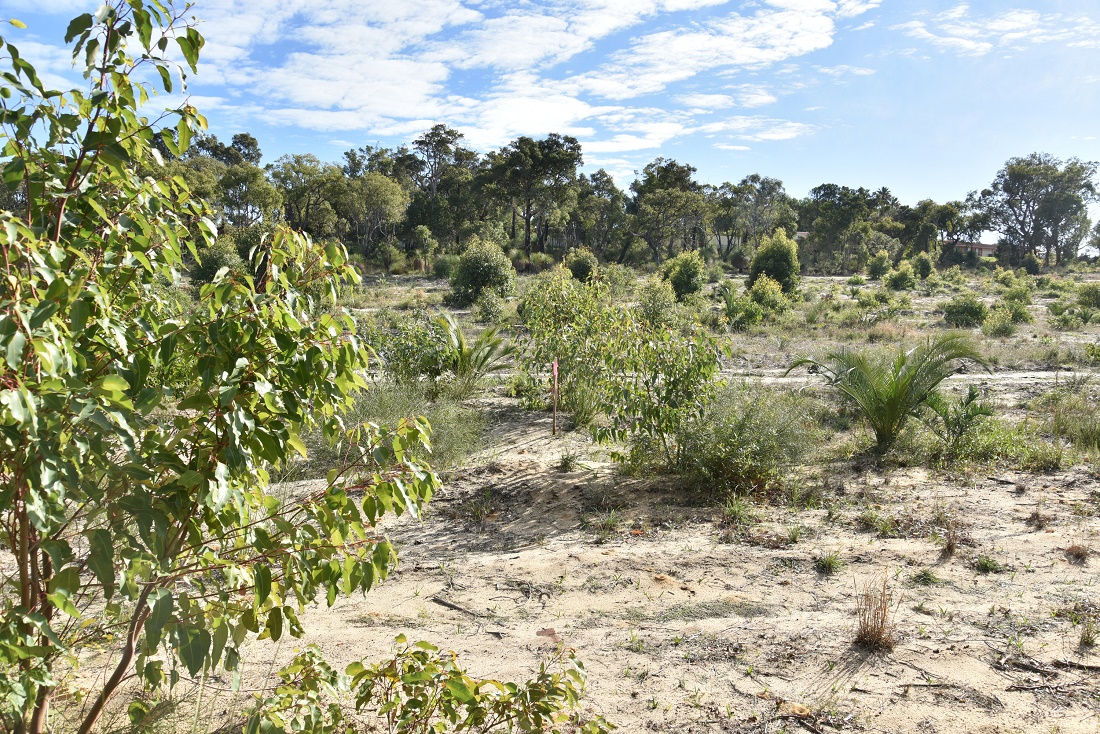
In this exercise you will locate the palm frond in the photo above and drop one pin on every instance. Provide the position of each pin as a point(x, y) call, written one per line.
point(890, 389)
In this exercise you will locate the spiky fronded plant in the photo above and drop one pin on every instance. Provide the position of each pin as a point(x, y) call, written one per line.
point(472, 361)
point(890, 389)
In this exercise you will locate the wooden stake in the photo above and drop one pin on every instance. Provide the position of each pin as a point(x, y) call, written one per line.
point(554, 430)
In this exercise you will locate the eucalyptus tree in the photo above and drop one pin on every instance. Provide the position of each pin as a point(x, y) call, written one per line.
point(1038, 204)
point(138, 430)
point(535, 175)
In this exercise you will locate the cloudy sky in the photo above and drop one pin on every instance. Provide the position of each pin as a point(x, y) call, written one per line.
point(926, 97)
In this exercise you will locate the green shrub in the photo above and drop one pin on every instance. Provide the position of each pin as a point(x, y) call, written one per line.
point(923, 265)
point(685, 273)
point(468, 362)
point(747, 439)
point(777, 258)
point(1032, 266)
point(1007, 278)
point(856, 280)
point(741, 311)
point(965, 311)
point(541, 261)
point(657, 303)
point(412, 347)
point(483, 266)
point(489, 308)
point(444, 266)
point(1018, 293)
point(901, 279)
point(582, 263)
point(955, 276)
point(998, 323)
point(1017, 311)
point(222, 254)
point(1088, 295)
point(619, 279)
point(768, 294)
point(879, 265)
point(954, 422)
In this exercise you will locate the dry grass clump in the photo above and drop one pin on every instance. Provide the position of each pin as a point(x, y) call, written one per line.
point(874, 618)
point(1078, 553)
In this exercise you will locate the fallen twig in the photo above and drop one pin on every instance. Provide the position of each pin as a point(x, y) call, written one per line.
point(451, 605)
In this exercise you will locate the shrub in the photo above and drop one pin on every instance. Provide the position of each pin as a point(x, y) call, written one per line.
point(483, 266)
point(741, 312)
point(444, 266)
point(901, 279)
point(777, 258)
point(955, 276)
point(685, 273)
point(879, 265)
point(890, 389)
point(1088, 295)
point(411, 347)
point(541, 261)
point(582, 263)
point(768, 294)
point(222, 254)
point(657, 303)
point(747, 439)
point(998, 323)
point(923, 265)
point(964, 311)
point(1018, 293)
point(1032, 266)
point(489, 308)
point(856, 280)
point(619, 279)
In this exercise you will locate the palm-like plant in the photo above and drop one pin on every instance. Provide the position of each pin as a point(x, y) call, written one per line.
point(889, 390)
point(469, 362)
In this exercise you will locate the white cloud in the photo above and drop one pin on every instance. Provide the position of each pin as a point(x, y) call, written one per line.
point(656, 60)
point(843, 69)
point(728, 146)
point(707, 101)
point(959, 31)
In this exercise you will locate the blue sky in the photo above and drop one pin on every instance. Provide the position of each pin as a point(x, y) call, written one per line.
point(926, 97)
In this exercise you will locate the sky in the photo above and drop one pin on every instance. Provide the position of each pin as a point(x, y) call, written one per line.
point(927, 98)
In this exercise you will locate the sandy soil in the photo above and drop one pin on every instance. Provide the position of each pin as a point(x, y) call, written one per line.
point(683, 628)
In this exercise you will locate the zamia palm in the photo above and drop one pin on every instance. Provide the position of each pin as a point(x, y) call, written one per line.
point(472, 361)
point(890, 389)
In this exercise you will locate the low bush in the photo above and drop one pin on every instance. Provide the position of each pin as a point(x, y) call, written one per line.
point(582, 263)
point(768, 294)
point(998, 323)
point(483, 266)
point(1018, 293)
point(923, 265)
point(685, 273)
point(541, 261)
point(444, 266)
point(747, 439)
point(1088, 295)
point(902, 278)
point(741, 311)
point(223, 254)
point(619, 279)
point(879, 265)
point(489, 308)
point(657, 303)
point(777, 258)
point(1032, 266)
point(965, 311)
point(457, 431)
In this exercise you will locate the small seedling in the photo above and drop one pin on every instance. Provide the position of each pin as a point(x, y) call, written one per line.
point(925, 577)
point(793, 534)
point(738, 513)
point(988, 564)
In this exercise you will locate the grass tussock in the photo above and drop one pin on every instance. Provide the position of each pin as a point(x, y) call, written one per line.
point(457, 430)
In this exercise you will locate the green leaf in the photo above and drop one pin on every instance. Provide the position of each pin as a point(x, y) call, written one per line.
point(14, 171)
point(16, 347)
point(275, 623)
point(101, 559)
point(194, 648)
point(78, 25)
point(263, 583)
point(183, 135)
point(160, 612)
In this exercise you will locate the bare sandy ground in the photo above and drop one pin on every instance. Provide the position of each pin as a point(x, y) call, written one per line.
point(683, 628)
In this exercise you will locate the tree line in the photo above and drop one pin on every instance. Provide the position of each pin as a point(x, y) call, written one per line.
point(414, 202)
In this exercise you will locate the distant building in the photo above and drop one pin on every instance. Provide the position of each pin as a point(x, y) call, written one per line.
point(978, 249)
